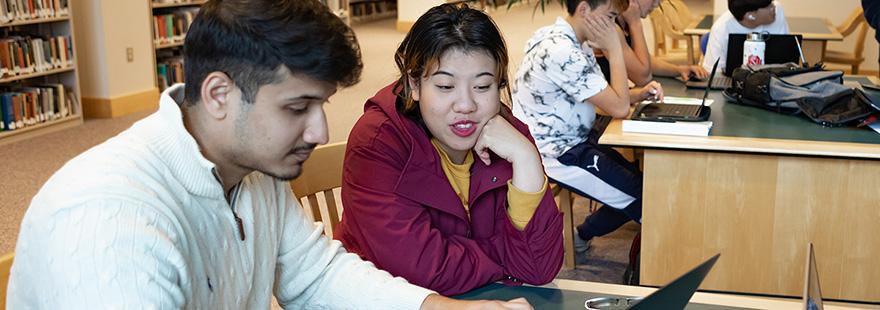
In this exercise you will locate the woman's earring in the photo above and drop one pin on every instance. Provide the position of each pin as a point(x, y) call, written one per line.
point(752, 17)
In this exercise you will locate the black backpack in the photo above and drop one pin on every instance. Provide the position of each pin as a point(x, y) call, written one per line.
point(791, 89)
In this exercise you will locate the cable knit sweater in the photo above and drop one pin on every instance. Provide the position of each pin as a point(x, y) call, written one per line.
point(140, 222)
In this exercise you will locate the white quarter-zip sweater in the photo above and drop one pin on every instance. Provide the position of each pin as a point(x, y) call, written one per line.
point(140, 222)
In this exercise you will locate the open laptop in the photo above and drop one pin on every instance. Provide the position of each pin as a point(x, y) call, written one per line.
point(674, 295)
point(779, 50)
point(667, 112)
point(812, 292)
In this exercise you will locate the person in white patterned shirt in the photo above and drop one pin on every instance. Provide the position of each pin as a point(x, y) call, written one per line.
point(557, 90)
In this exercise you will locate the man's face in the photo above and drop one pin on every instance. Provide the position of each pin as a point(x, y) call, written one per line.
point(603, 11)
point(278, 131)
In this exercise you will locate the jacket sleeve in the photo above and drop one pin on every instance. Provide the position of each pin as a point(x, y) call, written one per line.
point(396, 233)
point(533, 255)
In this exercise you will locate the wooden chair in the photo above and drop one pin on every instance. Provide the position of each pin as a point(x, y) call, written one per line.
point(5, 268)
point(856, 20)
point(566, 202)
point(660, 19)
point(566, 206)
point(321, 173)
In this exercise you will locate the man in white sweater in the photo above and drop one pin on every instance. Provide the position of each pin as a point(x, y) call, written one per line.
point(190, 208)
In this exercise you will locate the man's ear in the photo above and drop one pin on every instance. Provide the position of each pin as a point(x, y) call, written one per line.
point(216, 94)
point(414, 90)
point(583, 9)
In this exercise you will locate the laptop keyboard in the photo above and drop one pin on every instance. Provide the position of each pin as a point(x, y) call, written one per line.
point(721, 82)
point(677, 109)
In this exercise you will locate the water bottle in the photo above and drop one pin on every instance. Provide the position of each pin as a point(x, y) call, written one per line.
point(753, 49)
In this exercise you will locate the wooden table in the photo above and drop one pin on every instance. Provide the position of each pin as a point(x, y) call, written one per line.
point(817, 31)
point(567, 294)
point(758, 189)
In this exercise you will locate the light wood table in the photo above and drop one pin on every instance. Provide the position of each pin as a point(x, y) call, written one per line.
point(569, 294)
point(758, 189)
point(817, 31)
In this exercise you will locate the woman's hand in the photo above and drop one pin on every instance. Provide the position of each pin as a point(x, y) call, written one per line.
point(696, 71)
point(500, 137)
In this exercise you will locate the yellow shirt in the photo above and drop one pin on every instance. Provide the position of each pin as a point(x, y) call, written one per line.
point(522, 205)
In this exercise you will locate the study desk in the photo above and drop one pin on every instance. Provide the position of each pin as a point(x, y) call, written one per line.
point(570, 295)
point(758, 189)
point(817, 31)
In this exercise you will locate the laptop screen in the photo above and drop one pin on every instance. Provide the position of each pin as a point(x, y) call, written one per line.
point(780, 49)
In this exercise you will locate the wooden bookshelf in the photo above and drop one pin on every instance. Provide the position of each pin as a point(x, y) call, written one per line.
point(47, 25)
point(36, 21)
point(165, 48)
point(168, 40)
point(156, 5)
point(160, 46)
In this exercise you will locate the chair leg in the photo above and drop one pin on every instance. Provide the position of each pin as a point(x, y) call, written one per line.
point(565, 205)
point(855, 69)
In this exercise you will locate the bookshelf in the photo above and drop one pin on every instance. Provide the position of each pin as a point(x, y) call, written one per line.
point(170, 20)
point(368, 10)
point(39, 82)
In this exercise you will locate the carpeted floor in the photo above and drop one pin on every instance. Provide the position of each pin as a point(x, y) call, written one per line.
point(30, 163)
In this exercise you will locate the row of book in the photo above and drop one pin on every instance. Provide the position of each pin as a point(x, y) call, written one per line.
point(24, 106)
point(177, 1)
point(22, 10)
point(172, 27)
point(22, 55)
point(169, 72)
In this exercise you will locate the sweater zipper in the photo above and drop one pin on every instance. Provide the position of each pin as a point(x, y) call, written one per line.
point(239, 223)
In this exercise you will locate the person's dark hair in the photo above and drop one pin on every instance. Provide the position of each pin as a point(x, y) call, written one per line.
point(739, 8)
point(250, 40)
point(444, 28)
point(571, 5)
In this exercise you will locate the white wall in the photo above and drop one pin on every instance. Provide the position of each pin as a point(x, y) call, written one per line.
point(89, 55)
point(836, 11)
point(411, 10)
point(104, 29)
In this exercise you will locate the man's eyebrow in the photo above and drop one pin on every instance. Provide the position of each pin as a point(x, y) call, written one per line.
point(305, 97)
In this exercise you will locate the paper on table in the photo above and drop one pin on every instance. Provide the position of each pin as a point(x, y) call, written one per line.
point(683, 100)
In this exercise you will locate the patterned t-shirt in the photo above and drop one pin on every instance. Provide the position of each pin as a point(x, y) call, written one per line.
point(552, 86)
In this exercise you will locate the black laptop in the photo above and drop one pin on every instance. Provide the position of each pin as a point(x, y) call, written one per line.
point(780, 49)
point(674, 295)
point(667, 112)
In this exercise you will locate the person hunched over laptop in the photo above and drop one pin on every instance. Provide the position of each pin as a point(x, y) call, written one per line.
point(744, 16)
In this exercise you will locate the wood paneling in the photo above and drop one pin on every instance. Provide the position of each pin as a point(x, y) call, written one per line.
point(760, 211)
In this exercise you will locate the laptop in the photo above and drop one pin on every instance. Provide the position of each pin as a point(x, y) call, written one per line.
point(812, 292)
point(778, 51)
point(674, 295)
point(667, 112)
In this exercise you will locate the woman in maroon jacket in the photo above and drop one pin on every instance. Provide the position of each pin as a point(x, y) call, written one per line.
point(417, 203)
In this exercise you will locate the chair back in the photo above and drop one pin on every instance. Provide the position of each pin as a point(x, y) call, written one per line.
point(856, 20)
point(322, 173)
point(657, 21)
point(5, 269)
